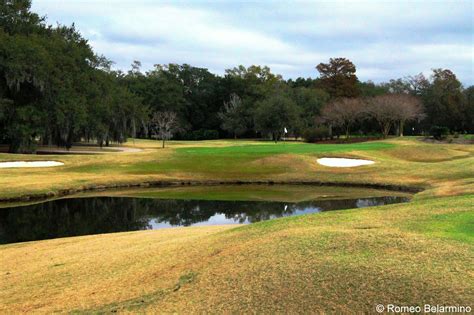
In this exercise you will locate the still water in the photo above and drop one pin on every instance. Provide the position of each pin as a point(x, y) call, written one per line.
point(95, 215)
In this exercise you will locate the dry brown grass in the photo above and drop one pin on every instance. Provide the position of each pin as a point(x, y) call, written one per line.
point(341, 262)
point(349, 261)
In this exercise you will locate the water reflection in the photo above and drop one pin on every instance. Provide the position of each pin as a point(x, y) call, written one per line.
point(84, 216)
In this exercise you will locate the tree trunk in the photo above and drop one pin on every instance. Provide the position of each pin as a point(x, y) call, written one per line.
point(330, 131)
point(347, 132)
point(163, 143)
point(386, 129)
point(400, 128)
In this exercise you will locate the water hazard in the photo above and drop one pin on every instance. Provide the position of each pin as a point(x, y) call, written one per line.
point(96, 215)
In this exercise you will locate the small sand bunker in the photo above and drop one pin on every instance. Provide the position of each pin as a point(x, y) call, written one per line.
point(341, 162)
point(30, 164)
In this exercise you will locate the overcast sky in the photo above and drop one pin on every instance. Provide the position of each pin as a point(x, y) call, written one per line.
point(385, 39)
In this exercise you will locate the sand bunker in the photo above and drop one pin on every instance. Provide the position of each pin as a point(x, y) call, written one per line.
point(341, 162)
point(30, 164)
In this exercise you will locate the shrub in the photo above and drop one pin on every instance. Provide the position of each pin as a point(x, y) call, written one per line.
point(202, 134)
point(439, 132)
point(316, 134)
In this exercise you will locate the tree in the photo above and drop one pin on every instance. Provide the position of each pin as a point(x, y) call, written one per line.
point(165, 124)
point(58, 90)
point(407, 107)
point(252, 84)
point(343, 113)
point(338, 78)
point(384, 110)
point(232, 117)
point(398, 86)
point(469, 97)
point(418, 84)
point(310, 101)
point(370, 89)
point(444, 101)
point(275, 113)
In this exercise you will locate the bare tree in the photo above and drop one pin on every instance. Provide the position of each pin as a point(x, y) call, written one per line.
point(343, 113)
point(164, 125)
point(383, 110)
point(407, 107)
point(390, 109)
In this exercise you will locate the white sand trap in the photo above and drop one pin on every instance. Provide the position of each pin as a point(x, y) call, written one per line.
point(30, 164)
point(341, 162)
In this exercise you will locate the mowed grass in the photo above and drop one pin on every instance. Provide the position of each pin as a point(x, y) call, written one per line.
point(282, 193)
point(343, 261)
point(340, 261)
point(406, 162)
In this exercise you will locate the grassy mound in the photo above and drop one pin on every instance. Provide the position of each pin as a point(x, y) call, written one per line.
point(340, 261)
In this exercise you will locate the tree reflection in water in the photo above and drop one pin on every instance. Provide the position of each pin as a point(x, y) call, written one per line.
point(84, 216)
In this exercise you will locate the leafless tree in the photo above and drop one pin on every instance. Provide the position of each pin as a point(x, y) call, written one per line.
point(164, 125)
point(391, 109)
point(383, 110)
point(343, 113)
point(407, 107)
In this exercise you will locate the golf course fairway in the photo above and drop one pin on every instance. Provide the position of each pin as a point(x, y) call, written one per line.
point(415, 253)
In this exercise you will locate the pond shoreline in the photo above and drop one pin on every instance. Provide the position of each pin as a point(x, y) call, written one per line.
point(160, 183)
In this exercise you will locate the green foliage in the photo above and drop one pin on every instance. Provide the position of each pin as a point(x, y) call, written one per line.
point(202, 134)
point(444, 101)
point(338, 78)
point(232, 116)
point(316, 134)
point(439, 132)
point(55, 90)
point(47, 104)
point(369, 89)
point(310, 101)
point(275, 113)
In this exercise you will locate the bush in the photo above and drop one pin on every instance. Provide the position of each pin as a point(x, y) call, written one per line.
point(439, 132)
point(201, 134)
point(316, 134)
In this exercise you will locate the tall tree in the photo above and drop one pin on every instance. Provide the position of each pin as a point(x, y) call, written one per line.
point(275, 113)
point(58, 90)
point(232, 116)
point(469, 98)
point(338, 78)
point(384, 109)
point(407, 107)
point(444, 101)
point(310, 101)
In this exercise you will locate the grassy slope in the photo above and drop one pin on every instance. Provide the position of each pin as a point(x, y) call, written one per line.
point(413, 253)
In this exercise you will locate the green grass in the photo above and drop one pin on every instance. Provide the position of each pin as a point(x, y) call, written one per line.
point(337, 262)
point(283, 148)
point(457, 225)
point(283, 193)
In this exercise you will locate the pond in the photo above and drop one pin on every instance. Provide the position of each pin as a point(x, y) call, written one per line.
point(107, 214)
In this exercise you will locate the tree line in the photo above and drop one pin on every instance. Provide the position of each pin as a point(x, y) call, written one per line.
point(55, 90)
